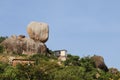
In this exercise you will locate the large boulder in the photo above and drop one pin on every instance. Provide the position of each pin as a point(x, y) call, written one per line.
point(38, 31)
point(99, 62)
point(22, 45)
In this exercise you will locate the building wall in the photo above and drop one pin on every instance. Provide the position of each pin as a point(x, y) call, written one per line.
point(62, 53)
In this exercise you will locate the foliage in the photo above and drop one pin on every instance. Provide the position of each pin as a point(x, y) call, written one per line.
point(72, 60)
point(1, 49)
point(47, 68)
point(1, 40)
point(2, 67)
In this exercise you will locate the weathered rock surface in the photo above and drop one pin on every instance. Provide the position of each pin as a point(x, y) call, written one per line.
point(99, 62)
point(38, 31)
point(20, 44)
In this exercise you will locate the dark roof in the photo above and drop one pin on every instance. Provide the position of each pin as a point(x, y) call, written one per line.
point(60, 50)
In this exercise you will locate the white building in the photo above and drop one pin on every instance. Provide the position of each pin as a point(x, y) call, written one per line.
point(61, 54)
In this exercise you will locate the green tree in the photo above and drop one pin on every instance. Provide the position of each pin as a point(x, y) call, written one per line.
point(72, 60)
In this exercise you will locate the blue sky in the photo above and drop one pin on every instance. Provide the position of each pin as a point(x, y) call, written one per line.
point(83, 27)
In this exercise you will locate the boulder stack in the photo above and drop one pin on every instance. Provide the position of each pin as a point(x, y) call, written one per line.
point(38, 33)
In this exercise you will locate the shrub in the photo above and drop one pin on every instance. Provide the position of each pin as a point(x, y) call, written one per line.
point(1, 49)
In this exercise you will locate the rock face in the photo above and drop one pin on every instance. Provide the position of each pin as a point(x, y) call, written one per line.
point(30, 46)
point(12, 44)
point(38, 31)
point(99, 62)
point(23, 45)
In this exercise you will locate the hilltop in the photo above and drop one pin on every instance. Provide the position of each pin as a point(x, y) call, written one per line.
point(48, 67)
point(29, 58)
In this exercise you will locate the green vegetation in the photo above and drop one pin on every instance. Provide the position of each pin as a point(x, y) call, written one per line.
point(48, 67)
point(1, 47)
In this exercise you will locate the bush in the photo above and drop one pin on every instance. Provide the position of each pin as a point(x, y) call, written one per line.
point(47, 68)
point(1, 49)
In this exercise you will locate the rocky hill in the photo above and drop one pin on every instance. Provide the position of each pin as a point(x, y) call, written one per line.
point(23, 58)
point(49, 67)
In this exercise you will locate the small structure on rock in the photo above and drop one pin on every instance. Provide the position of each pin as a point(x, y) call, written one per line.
point(61, 54)
point(21, 37)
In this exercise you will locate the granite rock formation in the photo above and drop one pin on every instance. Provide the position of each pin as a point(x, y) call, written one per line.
point(38, 33)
